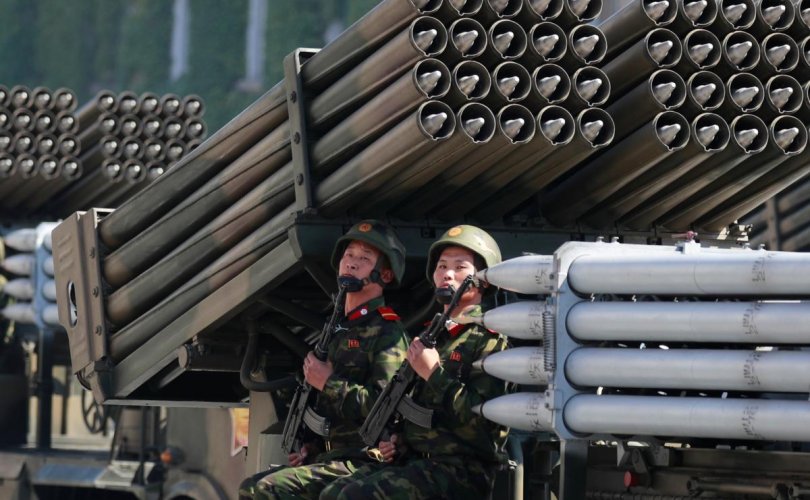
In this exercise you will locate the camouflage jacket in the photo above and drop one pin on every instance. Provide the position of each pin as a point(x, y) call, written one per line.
point(367, 348)
point(452, 390)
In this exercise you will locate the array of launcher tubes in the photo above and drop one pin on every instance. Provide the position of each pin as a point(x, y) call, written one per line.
point(666, 114)
point(645, 340)
point(56, 159)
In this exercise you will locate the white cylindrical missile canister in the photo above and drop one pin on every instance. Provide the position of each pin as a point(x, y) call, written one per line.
point(758, 419)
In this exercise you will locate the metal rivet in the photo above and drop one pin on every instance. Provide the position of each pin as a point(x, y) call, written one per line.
point(296, 137)
point(98, 330)
point(95, 292)
point(92, 253)
point(293, 96)
point(299, 179)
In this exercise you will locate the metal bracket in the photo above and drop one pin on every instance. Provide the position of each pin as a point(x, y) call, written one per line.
point(299, 144)
point(76, 254)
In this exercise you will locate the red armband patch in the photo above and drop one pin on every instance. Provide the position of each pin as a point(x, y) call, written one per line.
point(455, 356)
point(353, 343)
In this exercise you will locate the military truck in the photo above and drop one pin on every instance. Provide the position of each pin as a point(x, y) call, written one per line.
point(207, 288)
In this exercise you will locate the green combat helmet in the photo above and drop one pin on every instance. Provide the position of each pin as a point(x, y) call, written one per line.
point(382, 237)
point(472, 238)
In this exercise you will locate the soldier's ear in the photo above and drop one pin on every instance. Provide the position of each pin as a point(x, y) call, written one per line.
point(387, 276)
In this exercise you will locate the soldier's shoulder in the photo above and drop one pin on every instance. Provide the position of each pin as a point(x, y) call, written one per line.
point(388, 314)
point(387, 321)
point(484, 332)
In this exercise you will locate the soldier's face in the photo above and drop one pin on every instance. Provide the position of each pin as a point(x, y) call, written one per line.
point(455, 264)
point(358, 260)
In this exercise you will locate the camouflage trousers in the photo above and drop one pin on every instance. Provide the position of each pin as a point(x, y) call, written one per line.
point(306, 481)
point(415, 479)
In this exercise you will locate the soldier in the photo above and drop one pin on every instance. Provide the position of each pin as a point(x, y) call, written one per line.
point(459, 455)
point(368, 347)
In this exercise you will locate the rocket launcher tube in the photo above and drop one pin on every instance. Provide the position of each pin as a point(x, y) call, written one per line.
point(701, 50)
point(535, 11)
point(660, 48)
point(586, 46)
point(590, 87)
point(546, 43)
point(734, 15)
point(628, 24)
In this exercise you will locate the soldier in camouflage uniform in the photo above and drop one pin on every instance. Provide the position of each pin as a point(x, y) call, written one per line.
point(368, 346)
point(459, 456)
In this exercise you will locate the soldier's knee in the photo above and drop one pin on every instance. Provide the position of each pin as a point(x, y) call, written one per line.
point(247, 488)
point(331, 492)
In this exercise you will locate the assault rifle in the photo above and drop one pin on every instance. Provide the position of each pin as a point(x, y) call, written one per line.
point(395, 404)
point(301, 414)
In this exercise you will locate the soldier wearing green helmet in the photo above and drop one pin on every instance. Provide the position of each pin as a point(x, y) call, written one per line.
point(368, 346)
point(459, 455)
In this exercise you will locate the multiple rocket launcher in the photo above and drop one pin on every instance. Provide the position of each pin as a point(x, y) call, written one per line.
point(629, 337)
point(448, 110)
point(56, 159)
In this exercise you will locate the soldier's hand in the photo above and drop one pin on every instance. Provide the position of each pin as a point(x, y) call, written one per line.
point(298, 458)
point(389, 448)
point(424, 361)
point(317, 372)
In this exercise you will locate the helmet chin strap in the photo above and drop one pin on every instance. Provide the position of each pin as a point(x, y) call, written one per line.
point(350, 283)
point(357, 284)
point(444, 295)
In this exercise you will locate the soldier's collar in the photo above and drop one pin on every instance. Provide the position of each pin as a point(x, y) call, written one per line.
point(363, 310)
point(453, 328)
